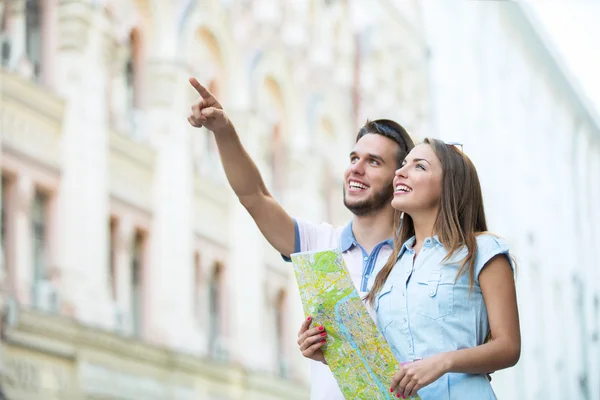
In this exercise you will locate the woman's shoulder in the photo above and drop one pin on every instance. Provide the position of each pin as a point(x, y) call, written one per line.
point(490, 245)
point(490, 241)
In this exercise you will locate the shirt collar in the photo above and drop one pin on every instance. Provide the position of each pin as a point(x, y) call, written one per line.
point(348, 240)
point(429, 242)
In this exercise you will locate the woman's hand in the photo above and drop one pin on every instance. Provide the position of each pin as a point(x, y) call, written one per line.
point(311, 340)
point(415, 375)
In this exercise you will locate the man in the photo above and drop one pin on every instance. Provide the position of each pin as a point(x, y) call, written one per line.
point(366, 242)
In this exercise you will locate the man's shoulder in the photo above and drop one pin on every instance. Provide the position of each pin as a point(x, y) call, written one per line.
point(318, 236)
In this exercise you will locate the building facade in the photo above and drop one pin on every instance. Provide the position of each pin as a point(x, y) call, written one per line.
point(129, 268)
point(500, 88)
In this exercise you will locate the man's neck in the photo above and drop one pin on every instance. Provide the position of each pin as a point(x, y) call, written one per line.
point(369, 230)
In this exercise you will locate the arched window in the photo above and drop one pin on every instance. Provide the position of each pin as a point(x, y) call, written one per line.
point(33, 35)
point(137, 283)
point(197, 290)
point(280, 325)
point(5, 8)
point(272, 104)
point(112, 256)
point(132, 70)
point(277, 158)
point(39, 232)
point(329, 188)
point(215, 309)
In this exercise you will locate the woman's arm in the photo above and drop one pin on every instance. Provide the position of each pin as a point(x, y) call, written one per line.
point(503, 351)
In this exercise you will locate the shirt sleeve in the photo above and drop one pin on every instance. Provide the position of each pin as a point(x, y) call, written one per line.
point(296, 241)
point(313, 237)
point(489, 246)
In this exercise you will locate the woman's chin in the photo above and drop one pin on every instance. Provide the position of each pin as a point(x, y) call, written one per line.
point(400, 204)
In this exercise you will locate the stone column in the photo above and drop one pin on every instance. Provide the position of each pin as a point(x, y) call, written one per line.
point(23, 265)
point(170, 268)
point(246, 269)
point(83, 195)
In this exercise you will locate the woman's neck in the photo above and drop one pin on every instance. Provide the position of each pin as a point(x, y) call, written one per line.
point(424, 225)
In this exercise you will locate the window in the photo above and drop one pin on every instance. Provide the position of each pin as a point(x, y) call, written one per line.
point(129, 83)
point(137, 284)
point(3, 230)
point(5, 8)
point(33, 48)
point(280, 353)
point(276, 159)
point(38, 230)
point(215, 308)
point(197, 299)
point(131, 72)
point(112, 257)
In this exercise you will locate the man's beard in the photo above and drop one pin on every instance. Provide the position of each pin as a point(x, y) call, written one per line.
point(371, 204)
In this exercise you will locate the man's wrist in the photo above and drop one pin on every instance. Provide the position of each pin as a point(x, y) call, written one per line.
point(227, 129)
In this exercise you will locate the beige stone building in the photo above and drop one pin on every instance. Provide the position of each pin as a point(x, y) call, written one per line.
point(130, 271)
point(129, 268)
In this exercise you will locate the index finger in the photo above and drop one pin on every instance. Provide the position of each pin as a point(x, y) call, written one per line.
point(305, 325)
point(202, 91)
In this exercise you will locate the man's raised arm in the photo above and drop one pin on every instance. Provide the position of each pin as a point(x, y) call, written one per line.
point(273, 221)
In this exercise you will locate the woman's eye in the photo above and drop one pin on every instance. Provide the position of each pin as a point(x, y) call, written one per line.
point(421, 166)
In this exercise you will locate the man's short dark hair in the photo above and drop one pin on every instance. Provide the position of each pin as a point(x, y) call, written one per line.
point(390, 129)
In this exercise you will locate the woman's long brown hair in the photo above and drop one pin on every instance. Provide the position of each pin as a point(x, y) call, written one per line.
point(460, 218)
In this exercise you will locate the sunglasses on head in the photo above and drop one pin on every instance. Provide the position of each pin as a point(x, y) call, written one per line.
point(457, 145)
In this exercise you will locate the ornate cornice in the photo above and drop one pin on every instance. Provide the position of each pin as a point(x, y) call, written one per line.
point(75, 21)
point(31, 120)
point(138, 153)
point(35, 97)
point(63, 337)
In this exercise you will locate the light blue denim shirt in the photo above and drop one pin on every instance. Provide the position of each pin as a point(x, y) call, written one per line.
point(424, 309)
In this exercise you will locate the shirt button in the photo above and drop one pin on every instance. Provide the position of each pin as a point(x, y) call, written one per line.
point(431, 293)
point(367, 276)
point(366, 258)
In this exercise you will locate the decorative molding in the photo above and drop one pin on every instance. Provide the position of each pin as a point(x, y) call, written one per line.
point(34, 97)
point(65, 338)
point(131, 171)
point(136, 152)
point(32, 119)
point(74, 21)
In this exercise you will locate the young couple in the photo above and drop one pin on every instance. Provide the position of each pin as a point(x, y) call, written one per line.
point(417, 248)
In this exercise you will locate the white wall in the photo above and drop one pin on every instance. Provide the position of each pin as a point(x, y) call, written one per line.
point(495, 89)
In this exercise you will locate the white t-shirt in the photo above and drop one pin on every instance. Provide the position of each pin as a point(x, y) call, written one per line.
point(315, 237)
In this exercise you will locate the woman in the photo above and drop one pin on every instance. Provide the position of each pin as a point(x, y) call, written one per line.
point(448, 283)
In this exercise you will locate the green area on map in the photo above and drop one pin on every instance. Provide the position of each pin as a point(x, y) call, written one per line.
point(357, 354)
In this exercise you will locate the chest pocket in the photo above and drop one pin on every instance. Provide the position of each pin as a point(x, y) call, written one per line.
point(383, 307)
point(436, 293)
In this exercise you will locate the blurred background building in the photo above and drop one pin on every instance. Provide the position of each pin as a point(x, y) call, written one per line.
point(130, 271)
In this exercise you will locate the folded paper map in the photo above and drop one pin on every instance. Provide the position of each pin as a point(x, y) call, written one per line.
point(357, 354)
